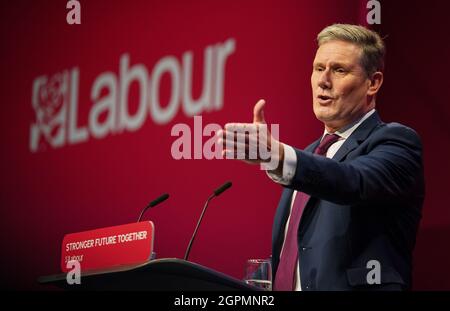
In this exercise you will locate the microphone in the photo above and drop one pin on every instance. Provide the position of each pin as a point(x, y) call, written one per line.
point(222, 188)
point(216, 193)
point(155, 202)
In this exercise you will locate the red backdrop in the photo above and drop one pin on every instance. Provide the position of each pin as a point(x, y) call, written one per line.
point(107, 181)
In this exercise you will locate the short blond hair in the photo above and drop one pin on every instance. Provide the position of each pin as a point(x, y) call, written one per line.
point(370, 42)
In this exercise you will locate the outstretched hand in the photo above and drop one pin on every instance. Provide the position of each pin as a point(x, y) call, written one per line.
point(252, 142)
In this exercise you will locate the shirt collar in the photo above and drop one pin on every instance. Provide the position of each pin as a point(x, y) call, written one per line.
point(347, 130)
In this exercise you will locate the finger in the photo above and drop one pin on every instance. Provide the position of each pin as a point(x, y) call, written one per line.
point(235, 130)
point(258, 112)
point(240, 127)
point(243, 151)
point(230, 138)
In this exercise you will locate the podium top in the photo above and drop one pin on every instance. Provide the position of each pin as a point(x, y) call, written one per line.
point(160, 274)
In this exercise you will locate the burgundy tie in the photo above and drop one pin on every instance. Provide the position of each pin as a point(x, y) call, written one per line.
point(285, 276)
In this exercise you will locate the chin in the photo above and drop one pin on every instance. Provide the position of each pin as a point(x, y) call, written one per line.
point(324, 116)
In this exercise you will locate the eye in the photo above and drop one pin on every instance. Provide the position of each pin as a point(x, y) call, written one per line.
point(340, 70)
point(318, 68)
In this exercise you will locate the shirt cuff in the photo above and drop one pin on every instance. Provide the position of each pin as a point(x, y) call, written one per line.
point(289, 167)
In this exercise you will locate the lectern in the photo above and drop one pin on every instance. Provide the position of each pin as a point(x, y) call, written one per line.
point(156, 275)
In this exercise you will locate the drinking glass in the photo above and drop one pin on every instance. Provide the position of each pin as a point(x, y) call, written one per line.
point(258, 273)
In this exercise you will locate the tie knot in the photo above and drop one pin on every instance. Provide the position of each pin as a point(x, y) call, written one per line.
point(326, 142)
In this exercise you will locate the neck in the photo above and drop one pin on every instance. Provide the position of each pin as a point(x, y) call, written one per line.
point(334, 127)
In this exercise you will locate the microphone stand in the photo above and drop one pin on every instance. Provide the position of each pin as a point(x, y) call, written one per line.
point(198, 225)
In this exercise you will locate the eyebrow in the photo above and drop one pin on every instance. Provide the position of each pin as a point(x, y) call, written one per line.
point(333, 64)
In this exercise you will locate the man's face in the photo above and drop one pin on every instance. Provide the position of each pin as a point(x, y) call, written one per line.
point(339, 84)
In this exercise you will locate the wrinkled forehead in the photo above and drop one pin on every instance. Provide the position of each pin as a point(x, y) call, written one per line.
point(337, 51)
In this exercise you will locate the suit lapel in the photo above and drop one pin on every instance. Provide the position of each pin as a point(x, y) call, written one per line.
point(358, 136)
point(345, 149)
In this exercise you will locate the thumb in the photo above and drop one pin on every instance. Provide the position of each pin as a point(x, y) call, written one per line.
point(258, 112)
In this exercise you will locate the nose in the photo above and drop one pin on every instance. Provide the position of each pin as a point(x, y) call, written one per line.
point(324, 81)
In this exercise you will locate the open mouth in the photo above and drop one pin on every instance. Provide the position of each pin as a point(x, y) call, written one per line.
point(325, 99)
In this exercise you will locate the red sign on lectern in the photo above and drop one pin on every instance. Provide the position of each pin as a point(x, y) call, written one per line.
point(108, 247)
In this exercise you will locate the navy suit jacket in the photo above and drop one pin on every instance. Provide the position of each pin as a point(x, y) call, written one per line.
point(365, 205)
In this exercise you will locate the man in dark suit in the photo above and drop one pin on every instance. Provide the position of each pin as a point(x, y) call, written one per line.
point(352, 200)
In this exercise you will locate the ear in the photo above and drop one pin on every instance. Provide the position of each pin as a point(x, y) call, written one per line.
point(376, 80)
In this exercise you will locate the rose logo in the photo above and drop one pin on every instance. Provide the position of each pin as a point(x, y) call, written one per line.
point(49, 102)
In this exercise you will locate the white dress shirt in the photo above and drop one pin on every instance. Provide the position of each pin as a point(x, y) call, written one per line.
point(290, 166)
